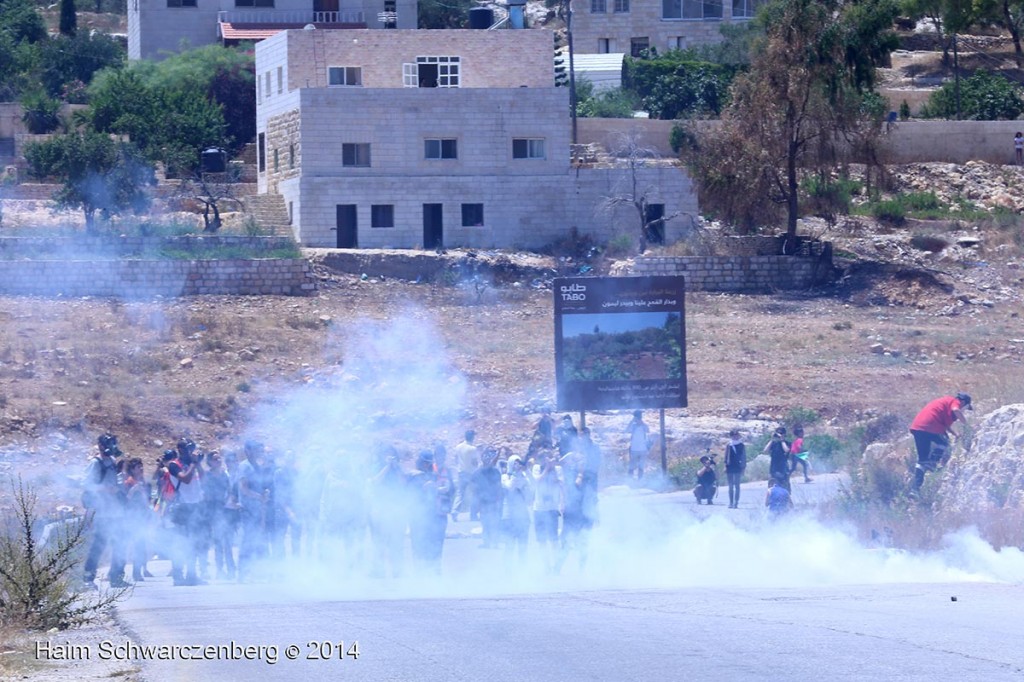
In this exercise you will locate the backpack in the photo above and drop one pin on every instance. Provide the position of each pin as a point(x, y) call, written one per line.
point(95, 472)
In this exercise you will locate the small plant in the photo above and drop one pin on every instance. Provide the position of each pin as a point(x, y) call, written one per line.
point(243, 387)
point(842, 325)
point(801, 415)
point(904, 110)
point(252, 227)
point(619, 246)
point(37, 582)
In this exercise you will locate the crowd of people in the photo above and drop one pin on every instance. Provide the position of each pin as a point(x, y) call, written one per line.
point(228, 516)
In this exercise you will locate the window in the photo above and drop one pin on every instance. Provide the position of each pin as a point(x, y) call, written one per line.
point(280, 79)
point(472, 215)
point(527, 148)
point(447, 148)
point(266, 84)
point(291, 155)
point(638, 46)
point(382, 215)
point(344, 75)
point(261, 152)
point(254, 3)
point(744, 9)
point(355, 155)
point(691, 9)
point(277, 161)
point(604, 45)
point(598, 6)
point(181, 3)
point(621, 6)
point(432, 72)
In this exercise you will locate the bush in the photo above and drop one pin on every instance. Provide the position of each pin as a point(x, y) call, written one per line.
point(37, 582)
point(985, 96)
point(889, 211)
point(42, 113)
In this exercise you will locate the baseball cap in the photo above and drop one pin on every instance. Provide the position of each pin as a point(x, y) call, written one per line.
point(965, 401)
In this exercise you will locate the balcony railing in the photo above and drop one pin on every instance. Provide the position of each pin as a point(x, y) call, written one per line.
point(289, 16)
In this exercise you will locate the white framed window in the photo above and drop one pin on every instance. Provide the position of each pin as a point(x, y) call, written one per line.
point(691, 9)
point(621, 6)
point(432, 72)
point(744, 9)
point(472, 215)
point(441, 148)
point(598, 6)
point(528, 148)
point(382, 215)
point(355, 154)
point(344, 75)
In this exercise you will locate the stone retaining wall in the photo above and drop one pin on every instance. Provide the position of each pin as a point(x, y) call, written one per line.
point(741, 274)
point(149, 278)
point(78, 247)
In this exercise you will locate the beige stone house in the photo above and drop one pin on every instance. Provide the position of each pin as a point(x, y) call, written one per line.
point(631, 26)
point(159, 27)
point(428, 138)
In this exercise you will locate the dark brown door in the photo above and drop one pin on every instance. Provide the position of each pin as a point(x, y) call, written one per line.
point(348, 228)
point(433, 226)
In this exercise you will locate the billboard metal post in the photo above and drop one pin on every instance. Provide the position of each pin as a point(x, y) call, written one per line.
point(664, 458)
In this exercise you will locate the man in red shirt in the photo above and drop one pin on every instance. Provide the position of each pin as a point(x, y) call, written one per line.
point(930, 428)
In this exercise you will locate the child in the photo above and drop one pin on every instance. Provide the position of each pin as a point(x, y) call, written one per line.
point(778, 500)
point(797, 456)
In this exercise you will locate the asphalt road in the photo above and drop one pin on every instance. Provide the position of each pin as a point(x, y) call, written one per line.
point(712, 599)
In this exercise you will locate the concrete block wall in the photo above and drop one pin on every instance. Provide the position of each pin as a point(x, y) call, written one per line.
point(739, 274)
point(80, 246)
point(145, 278)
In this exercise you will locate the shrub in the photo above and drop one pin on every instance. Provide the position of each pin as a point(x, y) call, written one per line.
point(42, 113)
point(985, 96)
point(889, 211)
point(37, 582)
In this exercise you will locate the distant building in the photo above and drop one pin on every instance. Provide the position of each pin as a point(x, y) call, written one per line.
point(427, 138)
point(158, 27)
point(632, 26)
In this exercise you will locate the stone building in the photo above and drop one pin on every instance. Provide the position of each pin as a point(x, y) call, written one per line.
point(159, 27)
point(632, 26)
point(432, 138)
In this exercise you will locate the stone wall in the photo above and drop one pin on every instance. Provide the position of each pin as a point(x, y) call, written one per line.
point(740, 274)
point(148, 278)
point(78, 247)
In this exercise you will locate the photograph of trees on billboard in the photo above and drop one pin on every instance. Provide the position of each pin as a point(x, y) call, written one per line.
point(620, 342)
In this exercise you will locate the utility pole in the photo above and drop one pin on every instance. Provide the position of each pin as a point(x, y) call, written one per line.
point(956, 76)
point(572, 69)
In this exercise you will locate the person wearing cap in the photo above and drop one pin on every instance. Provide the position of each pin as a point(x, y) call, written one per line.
point(931, 429)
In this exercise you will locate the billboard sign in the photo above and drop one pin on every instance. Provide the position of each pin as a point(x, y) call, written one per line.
point(620, 342)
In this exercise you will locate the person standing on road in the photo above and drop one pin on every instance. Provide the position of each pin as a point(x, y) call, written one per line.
point(466, 459)
point(565, 436)
point(515, 510)
point(428, 517)
point(639, 444)
point(778, 450)
point(931, 428)
point(485, 485)
point(797, 455)
point(735, 465)
point(548, 506)
point(100, 498)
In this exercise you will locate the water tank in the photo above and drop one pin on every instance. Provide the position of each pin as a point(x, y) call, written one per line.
point(481, 17)
point(214, 160)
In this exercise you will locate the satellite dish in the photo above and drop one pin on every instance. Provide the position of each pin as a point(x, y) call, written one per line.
point(308, 27)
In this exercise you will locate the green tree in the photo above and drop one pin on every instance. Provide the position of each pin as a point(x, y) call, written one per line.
point(41, 113)
point(20, 20)
point(985, 96)
point(97, 174)
point(443, 13)
point(675, 84)
point(792, 111)
point(66, 59)
point(68, 18)
point(612, 103)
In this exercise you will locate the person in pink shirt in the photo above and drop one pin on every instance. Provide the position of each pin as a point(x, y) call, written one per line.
point(931, 429)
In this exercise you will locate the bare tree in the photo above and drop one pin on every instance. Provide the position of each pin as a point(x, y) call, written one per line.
point(635, 191)
point(213, 191)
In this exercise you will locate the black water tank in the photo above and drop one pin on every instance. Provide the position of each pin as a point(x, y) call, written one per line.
point(214, 160)
point(481, 17)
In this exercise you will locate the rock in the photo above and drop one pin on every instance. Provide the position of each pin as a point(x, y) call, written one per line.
point(186, 363)
point(877, 348)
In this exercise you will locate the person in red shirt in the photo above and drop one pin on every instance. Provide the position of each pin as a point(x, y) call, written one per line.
point(931, 428)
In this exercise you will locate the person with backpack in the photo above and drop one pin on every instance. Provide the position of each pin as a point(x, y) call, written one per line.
point(103, 501)
point(735, 465)
point(187, 514)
